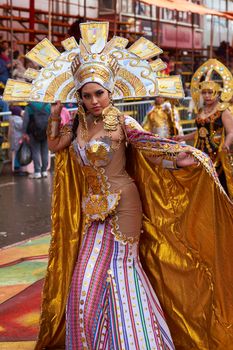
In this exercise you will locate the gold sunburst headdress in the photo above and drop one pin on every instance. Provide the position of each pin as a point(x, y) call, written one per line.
point(127, 73)
point(204, 79)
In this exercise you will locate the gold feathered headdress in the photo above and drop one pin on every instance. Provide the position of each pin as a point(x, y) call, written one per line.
point(124, 72)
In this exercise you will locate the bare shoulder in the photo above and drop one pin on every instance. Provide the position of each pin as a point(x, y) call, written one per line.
point(227, 114)
point(132, 122)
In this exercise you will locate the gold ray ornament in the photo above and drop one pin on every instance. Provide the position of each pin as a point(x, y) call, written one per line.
point(43, 53)
point(95, 32)
point(145, 49)
point(31, 74)
point(170, 87)
point(126, 73)
point(16, 90)
point(69, 43)
point(158, 65)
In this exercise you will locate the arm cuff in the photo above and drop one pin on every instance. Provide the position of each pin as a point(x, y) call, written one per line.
point(169, 164)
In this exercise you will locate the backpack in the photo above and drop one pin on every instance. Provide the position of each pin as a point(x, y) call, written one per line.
point(39, 122)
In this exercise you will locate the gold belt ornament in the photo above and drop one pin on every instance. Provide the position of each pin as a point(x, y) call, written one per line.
point(99, 206)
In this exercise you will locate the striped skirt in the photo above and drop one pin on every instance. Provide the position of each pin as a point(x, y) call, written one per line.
point(111, 303)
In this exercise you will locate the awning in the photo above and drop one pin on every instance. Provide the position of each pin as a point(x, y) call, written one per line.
point(186, 6)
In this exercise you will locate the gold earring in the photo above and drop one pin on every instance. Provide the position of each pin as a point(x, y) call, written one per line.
point(78, 98)
point(83, 123)
point(82, 118)
point(111, 99)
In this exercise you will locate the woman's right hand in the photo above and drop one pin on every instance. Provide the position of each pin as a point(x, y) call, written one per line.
point(56, 109)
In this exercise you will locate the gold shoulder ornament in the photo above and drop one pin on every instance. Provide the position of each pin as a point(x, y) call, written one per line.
point(223, 106)
point(111, 116)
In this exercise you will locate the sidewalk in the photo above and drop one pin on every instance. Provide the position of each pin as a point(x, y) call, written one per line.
point(25, 207)
point(22, 270)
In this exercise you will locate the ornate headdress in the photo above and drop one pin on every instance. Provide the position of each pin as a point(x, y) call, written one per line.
point(124, 72)
point(207, 71)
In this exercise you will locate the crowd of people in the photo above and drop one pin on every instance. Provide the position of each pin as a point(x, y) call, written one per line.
point(12, 63)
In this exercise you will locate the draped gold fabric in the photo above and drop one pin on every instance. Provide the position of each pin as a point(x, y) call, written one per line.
point(186, 250)
point(64, 246)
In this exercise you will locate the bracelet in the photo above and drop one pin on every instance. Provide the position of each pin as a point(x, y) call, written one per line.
point(170, 164)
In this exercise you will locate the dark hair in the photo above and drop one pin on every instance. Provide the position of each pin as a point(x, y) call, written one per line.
point(15, 54)
point(2, 49)
point(75, 126)
point(74, 29)
point(16, 110)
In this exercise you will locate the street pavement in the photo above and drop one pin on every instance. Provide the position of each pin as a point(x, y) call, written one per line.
point(24, 207)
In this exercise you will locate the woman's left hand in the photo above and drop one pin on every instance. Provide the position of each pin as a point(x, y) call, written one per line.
point(185, 159)
point(226, 147)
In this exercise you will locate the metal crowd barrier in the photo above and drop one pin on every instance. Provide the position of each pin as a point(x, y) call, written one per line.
point(137, 109)
point(4, 141)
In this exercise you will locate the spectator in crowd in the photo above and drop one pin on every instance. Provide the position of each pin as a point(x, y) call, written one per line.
point(5, 54)
point(18, 66)
point(15, 136)
point(74, 29)
point(172, 66)
point(4, 67)
point(3, 105)
point(34, 131)
point(222, 50)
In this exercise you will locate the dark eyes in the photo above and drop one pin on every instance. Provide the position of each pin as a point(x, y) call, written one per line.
point(97, 93)
point(100, 92)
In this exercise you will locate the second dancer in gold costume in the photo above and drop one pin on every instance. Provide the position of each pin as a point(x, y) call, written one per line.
point(214, 121)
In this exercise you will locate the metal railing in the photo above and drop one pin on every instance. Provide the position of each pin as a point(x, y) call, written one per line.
point(137, 109)
point(4, 141)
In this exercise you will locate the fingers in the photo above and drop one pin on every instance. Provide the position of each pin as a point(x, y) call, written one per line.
point(225, 148)
point(56, 108)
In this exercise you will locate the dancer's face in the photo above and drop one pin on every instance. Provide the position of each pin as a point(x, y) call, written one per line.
point(95, 98)
point(209, 96)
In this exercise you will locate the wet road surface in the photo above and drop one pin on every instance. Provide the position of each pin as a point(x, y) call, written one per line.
point(24, 207)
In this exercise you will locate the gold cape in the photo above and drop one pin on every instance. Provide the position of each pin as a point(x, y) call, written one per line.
point(186, 250)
